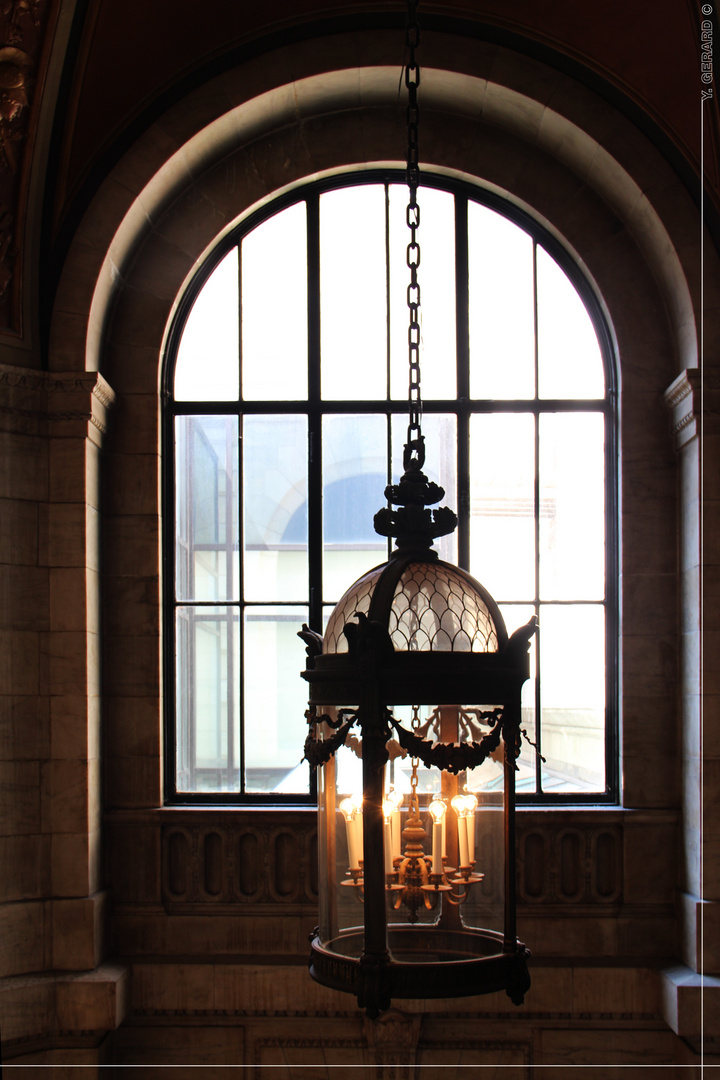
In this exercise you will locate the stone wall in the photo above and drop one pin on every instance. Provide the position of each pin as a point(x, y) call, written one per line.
point(128, 933)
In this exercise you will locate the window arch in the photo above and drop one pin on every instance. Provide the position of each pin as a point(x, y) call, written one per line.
point(286, 390)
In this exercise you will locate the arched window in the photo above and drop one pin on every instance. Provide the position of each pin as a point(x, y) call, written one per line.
point(286, 413)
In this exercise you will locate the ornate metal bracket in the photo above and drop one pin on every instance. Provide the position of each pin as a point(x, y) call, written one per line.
point(450, 757)
point(319, 751)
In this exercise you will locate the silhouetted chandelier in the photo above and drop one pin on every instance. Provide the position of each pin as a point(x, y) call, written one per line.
point(415, 727)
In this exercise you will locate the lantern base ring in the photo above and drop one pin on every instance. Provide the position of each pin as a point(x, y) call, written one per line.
point(444, 963)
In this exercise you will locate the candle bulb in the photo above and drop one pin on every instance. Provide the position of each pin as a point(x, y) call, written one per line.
point(347, 809)
point(358, 822)
point(458, 805)
point(437, 812)
point(387, 832)
point(471, 806)
point(395, 800)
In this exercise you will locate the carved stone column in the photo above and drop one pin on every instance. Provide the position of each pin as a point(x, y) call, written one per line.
point(392, 1041)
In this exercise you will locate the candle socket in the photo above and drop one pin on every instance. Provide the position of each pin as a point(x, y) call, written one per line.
point(465, 876)
point(356, 876)
point(436, 883)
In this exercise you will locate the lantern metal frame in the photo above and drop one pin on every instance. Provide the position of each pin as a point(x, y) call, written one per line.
point(369, 675)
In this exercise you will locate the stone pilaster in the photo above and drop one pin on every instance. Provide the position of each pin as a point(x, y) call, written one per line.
point(694, 402)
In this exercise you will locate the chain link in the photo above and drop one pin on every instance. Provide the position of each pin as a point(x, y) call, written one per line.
point(412, 175)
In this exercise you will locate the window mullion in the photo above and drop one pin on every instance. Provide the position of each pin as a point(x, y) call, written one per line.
point(241, 535)
point(536, 499)
point(462, 333)
point(315, 529)
point(388, 352)
point(230, 496)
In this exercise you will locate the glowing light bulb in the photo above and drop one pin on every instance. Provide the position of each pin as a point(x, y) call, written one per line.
point(471, 803)
point(437, 810)
point(351, 810)
point(394, 800)
point(462, 810)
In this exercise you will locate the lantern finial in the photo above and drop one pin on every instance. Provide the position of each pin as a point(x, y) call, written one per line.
point(414, 526)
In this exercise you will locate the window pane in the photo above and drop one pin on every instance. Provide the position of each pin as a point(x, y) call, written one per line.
point(206, 478)
point(572, 507)
point(515, 616)
point(354, 481)
point(440, 467)
point(353, 311)
point(501, 306)
point(208, 702)
point(275, 700)
point(274, 308)
point(502, 504)
point(572, 665)
point(207, 359)
point(569, 359)
point(436, 277)
point(275, 508)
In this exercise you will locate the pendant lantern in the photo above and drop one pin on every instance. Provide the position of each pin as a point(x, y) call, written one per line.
point(415, 727)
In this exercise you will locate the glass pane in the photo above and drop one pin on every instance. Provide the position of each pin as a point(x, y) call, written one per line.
point(515, 616)
point(206, 494)
point(354, 482)
point(501, 306)
point(502, 504)
point(569, 358)
point(207, 361)
point(484, 906)
point(572, 666)
point(275, 508)
point(208, 709)
point(440, 431)
point(274, 308)
point(353, 310)
point(436, 277)
point(275, 700)
point(572, 507)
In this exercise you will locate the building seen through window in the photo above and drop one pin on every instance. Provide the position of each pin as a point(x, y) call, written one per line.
point(286, 418)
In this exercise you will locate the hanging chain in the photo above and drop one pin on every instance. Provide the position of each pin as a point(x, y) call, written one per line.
point(415, 763)
point(412, 174)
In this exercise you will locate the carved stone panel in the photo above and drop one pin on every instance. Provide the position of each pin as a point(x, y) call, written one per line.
point(558, 864)
point(226, 863)
point(230, 861)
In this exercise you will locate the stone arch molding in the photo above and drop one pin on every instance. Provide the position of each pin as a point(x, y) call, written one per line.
point(564, 155)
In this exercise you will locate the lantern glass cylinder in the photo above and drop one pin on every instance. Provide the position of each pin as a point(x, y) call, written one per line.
point(398, 918)
point(446, 873)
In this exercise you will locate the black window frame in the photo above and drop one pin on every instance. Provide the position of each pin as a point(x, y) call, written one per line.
point(462, 406)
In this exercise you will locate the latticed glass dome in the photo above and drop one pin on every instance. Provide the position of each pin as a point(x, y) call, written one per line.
point(424, 604)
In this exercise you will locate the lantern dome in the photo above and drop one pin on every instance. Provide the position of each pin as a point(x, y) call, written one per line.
point(423, 604)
